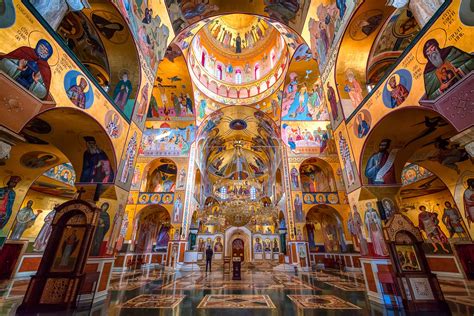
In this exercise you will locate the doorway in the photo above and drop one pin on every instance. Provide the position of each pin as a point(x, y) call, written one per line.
point(238, 249)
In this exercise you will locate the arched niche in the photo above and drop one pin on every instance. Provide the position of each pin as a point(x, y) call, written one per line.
point(421, 187)
point(82, 140)
point(54, 137)
point(99, 36)
point(152, 229)
point(354, 50)
point(316, 175)
point(410, 134)
point(161, 176)
point(394, 37)
point(324, 226)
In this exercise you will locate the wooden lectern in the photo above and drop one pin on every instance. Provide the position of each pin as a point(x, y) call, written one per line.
point(236, 268)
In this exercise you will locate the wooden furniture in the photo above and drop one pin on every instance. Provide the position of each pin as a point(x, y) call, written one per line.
point(56, 285)
point(236, 268)
point(418, 286)
point(226, 262)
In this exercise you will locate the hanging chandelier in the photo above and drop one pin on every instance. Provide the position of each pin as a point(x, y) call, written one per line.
point(239, 195)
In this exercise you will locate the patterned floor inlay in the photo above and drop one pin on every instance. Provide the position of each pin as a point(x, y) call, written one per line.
point(321, 302)
point(154, 301)
point(236, 285)
point(236, 301)
point(129, 286)
point(348, 286)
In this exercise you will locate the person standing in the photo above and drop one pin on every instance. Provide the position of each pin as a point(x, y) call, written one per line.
point(209, 254)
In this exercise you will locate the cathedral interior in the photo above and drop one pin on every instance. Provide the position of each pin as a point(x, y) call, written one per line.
point(274, 157)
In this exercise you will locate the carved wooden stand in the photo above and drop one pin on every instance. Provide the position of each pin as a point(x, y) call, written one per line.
point(56, 285)
point(418, 287)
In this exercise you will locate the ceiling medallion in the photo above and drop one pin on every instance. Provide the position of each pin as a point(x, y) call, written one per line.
point(238, 124)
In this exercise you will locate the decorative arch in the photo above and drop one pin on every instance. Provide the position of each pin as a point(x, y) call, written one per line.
point(317, 175)
point(151, 229)
point(411, 134)
point(394, 37)
point(324, 225)
point(160, 176)
point(98, 36)
point(351, 64)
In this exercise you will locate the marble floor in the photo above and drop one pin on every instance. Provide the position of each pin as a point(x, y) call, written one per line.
point(260, 292)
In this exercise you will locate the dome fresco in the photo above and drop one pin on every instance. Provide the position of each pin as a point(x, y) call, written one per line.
point(158, 141)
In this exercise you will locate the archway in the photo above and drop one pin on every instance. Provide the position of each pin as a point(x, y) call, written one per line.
point(239, 233)
point(97, 36)
point(421, 137)
point(324, 230)
point(317, 176)
point(152, 229)
point(161, 176)
point(48, 143)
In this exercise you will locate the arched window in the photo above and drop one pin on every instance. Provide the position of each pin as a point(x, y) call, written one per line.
point(219, 72)
point(238, 76)
point(257, 72)
point(203, 58)
point(272, 58)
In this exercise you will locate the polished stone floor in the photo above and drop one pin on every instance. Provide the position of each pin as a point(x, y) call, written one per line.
point(260, 292)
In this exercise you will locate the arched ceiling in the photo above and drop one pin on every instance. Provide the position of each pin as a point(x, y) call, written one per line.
point(256, 132)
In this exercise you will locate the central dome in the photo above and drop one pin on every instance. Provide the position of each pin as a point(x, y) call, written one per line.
point(238, 59)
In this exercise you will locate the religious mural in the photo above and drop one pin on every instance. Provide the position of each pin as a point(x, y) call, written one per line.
point(373, 226)
point(38, 160)
point(96, 167)
point(428, 80)
point(110, 26)
point(7, 198)
point(397, 33)
point(324, 26)
point(333, 102)
point(315, 178)
point(43, 236)
point(150, 29)
point(127, 165)
point(397, 88)
point(163, 178)
point(184, 13)
point(63, 172)
point(78, 89)
point(167, 139)
point(172, 97)
point(307, 137)
point(29, 67)
point(355, 226)
point(349, 169)
point(312, 114)
point(80, 35)
point(412, 173)
point(25, 218)
point(7, 14)
point(380, 168)
point(364, 122)
point(444, 66)
point(303, 96)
